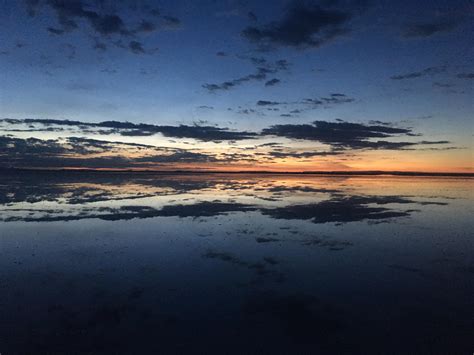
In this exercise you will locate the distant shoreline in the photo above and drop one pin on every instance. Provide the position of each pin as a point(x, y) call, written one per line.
point(253, 172)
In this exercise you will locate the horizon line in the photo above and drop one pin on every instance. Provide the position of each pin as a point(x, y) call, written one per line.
point(244, 172)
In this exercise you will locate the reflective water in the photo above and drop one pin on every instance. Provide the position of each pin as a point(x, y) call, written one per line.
point(137, 263)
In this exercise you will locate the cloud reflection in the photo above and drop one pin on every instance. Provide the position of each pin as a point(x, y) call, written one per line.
point(112, 197)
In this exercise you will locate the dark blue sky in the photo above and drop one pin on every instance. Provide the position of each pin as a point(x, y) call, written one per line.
point(245, 65)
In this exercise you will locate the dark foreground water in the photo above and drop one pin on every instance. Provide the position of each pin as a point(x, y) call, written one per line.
point(137, 264)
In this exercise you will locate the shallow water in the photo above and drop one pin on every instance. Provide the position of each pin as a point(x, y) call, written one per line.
point(137, 263)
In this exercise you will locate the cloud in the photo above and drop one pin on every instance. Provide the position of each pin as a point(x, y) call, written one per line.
point(109, 71)
point(272, 82)
point(155, 12)
point(302, 26)
point(264, 68)
point(203, 133)
point(55, 31)
point(136, 47)
point(99, 46)
point(252, 16)
point(172, 21)
point(73, 152)
point(297, 107)
point(443, 85)
point(340, 135)
point(69, 12)
point(425, 72)
point(345, 135)
point(146, 26)
point(259, 75)
point(268, 103)
point(78, 86)
point(301, 155)
point(333, 99)
point(428, 29)
point(32, 7)
point(102, 19)
point(465, 76)
point(177, 157)
point(434, 142)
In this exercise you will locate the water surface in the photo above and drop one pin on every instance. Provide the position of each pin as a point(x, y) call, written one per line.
point(142, 263)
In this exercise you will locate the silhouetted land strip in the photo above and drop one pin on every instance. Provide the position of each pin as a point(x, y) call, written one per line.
point(14, 171)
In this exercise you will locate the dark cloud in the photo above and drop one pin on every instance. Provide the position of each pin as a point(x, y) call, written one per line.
point(282, 64)
point(301, 26)
point(377, 122)
point(203, 133)
point(301, 155)
point(221, 54)
point(443, 85)
point(82, 152)
point(78, 86)
point(425, 72)
point(103, 20)
point(10, 147)
point(172, 21)
point(246, 111)
point(136, 47)
point(309, 103)
point(308, 189)
point(263, 70)
point(340, 135)
point(146, 26)
point(69, 12)
point(178, 157)
point(465, 75)
point(32, 7)
point(433, 142)
point(268, 103)
point(155, 12)
point(55, 31)
point(100, 46)
point(109, 71)
point(260, 75)
point(428, 29)
point(272, 82)
point(252, 16)
point(333, 99)
point(344, 135)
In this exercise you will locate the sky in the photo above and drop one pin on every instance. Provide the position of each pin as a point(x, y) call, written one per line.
point(237, 85)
